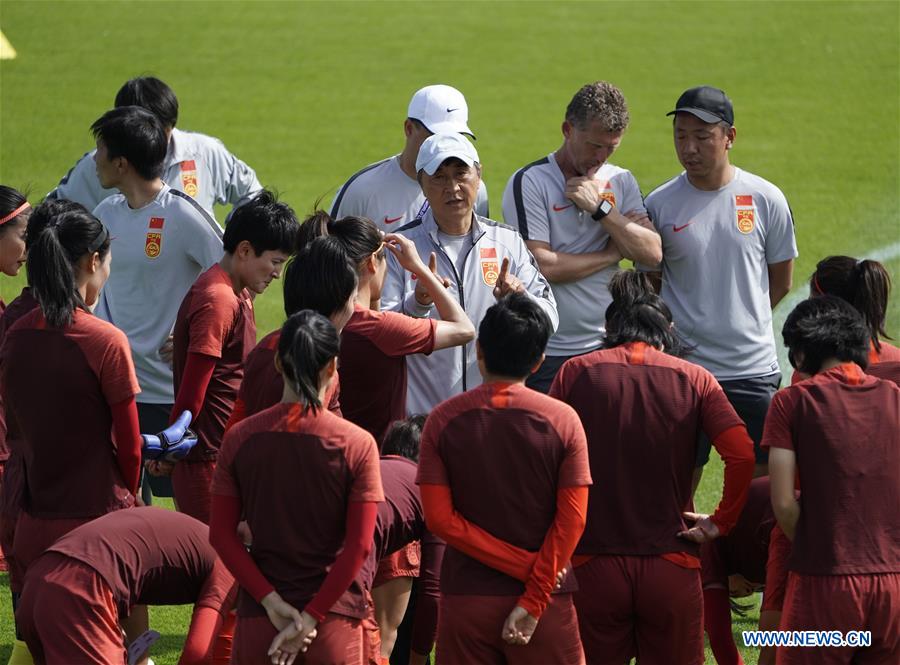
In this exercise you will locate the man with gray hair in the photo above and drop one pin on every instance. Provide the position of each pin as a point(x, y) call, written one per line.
point(567, 208)
point(479, 259)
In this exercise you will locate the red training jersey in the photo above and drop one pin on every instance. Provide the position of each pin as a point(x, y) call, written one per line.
point(18, 308)
point(374, 346)
point(642, 411)
point(263, 386)
point(59, 384)
point(216, 322)
point(294, 473)
point(844, 428)
point(504, 450)
point(152, 556)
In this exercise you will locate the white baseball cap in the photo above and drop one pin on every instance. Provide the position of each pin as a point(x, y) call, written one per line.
point(438, 148)
point(441, 109)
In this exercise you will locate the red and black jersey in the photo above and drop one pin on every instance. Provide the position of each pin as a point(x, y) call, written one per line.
point(295, 473)
point(844, 428)
point(642, 411)
point(374, 346)
point(59, 385)
point(504, 450)
point(216, 322)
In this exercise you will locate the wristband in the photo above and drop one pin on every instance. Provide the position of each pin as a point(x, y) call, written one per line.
point(603, 210)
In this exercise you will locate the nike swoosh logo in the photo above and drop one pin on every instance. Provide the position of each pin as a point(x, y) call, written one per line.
point(391, 221)
point(560, 209)
point(681, 228)
point(452, 110)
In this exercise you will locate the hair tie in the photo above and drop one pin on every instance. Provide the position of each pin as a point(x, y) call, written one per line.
point(99, 240)
point(15, 213)
point(816, 285)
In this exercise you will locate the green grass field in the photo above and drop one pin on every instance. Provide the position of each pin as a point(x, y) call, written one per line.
point(307, 93)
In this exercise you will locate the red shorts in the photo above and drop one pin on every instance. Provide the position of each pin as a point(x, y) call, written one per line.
point(35, 534)
point(470, 627)
point(639, 606)
point(371, 635)
point(191, 483)
point(402, 563)
point(339, 640)
point(67, 614)
point(10, 501)
point(776, 571)
point(844, 603)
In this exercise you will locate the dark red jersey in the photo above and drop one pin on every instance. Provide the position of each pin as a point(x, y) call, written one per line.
point(642, 411)
point(295, 473)
point(151, 556)
point(216, 322)
point(59, 385)
point(374, 346)
point(504, 450)
point(844, 428)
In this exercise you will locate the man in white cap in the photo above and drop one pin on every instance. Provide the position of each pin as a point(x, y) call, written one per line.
point(387, 191)
point(728, 256)
point(479, 259)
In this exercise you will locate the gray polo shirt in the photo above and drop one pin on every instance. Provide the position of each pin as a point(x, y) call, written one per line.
point(386, 195)
point(196, 164)
point(158, 251)
point(716, 250)
point(534, 202)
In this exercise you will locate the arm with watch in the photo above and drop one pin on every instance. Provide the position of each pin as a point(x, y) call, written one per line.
point(633, 233)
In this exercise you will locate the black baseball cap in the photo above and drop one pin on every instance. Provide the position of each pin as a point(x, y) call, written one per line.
point(707, 103)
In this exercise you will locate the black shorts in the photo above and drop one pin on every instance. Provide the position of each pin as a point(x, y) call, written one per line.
point(750, 398)
point(154, 418)
point(542, 379)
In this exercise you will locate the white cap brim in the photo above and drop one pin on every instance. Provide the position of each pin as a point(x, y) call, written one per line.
point(449, 127)
point(435, 163)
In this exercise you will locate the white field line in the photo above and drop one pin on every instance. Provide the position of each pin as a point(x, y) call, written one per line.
point(7, 52)
point(801, 292)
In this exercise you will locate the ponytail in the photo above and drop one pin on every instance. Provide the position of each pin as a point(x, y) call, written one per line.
point(59, 234)
point(320, 277)
point(637, 314)
point(864, 284)
point(359, 235)
point(308, 343)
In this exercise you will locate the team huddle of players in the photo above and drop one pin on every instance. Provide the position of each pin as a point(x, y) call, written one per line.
point(542, 510)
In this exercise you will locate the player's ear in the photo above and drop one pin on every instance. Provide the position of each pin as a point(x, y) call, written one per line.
point(244, 249)
point(408, 127)
point(538, 364)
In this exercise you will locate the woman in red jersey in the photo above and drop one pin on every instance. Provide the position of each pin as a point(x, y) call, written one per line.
point(867, 286)
point(374, 344)
point(319, 278)
point(68, 382)
point(637, 563)
point(308, 484)
point(839, 432)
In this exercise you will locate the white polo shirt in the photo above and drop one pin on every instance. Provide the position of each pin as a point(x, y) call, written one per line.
point(386, 195)
point(717, 247)
point(534, 202)
point(196, 164)
point(158, 251)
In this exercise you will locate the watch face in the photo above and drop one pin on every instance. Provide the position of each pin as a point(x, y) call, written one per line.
point(606, 207)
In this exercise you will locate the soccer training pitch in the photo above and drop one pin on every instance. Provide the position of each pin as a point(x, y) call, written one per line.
point(308, 93)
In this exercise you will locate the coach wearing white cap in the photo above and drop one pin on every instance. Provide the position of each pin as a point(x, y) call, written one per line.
point(728, 256)
point(480, 260)
point(387, 191)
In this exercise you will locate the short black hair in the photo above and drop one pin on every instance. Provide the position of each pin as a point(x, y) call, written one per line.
point(513, 335)
point(320, 277)
point(265, 222)
point(135, 134)
point(403, 437)
point(150, 93)
point(823, 328)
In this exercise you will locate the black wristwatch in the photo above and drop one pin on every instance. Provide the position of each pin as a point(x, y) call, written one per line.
point(603, 210)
